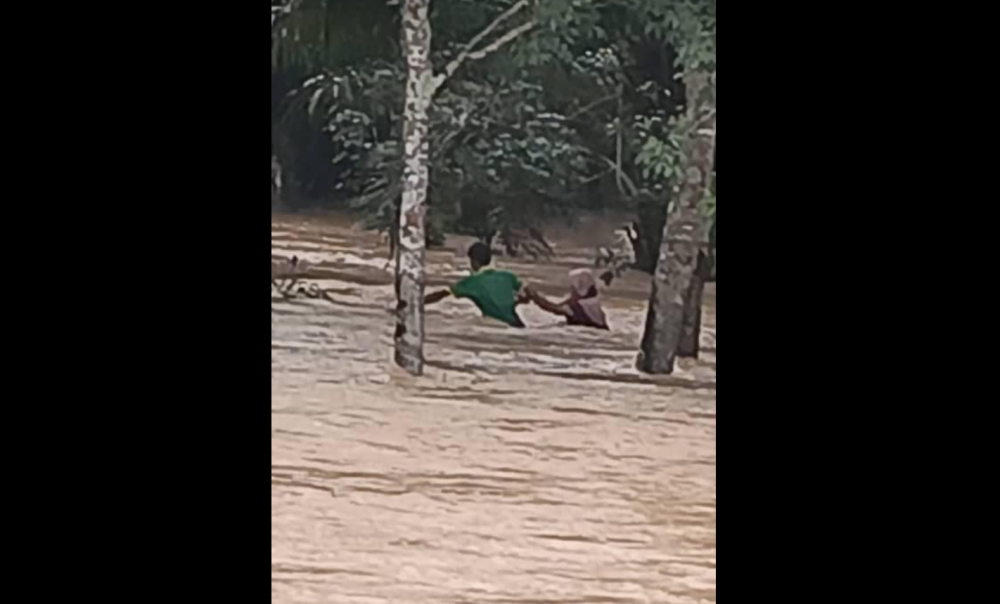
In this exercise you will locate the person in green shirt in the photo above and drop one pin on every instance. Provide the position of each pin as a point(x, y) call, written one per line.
point(495, 292)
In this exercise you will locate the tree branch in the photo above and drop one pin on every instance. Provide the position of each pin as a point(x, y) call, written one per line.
point(590, 106)
point(468, 53)
point(510, 12)
point(501, 41)
point(633, 190)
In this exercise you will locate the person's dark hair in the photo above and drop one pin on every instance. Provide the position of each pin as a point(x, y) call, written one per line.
point(480, 253)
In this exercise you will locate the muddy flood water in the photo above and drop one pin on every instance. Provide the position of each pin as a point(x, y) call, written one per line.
point(526, 467)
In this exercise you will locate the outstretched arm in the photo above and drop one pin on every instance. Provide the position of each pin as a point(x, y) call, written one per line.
point(547, 305)
point(436, 297)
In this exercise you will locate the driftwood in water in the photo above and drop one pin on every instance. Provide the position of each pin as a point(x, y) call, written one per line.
point(313, 292)
point(286, 279)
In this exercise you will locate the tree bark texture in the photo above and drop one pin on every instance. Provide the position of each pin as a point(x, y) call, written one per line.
point(685, 234)
point(651, 220)
point(690, 344)
point(421, 84)
point(409, 335)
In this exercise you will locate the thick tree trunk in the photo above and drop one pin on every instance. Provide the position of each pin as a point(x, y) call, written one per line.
point(689, 345)
point(409, 336)
point(684, 235)
point(651, 219)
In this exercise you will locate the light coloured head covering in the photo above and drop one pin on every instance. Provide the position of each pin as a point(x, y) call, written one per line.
point(581, 281)
point(584, 288)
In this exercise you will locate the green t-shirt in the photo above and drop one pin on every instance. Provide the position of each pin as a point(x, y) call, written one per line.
point(494, 292)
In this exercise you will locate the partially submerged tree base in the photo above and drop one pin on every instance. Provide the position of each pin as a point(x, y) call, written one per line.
point(664, 320)
point(690, 344)
point(684, 238)
point(411, 243)
point(421, 84)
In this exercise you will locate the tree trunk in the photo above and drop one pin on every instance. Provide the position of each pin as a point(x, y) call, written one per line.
point(690, 344)
point(409, 336)
point(684, 235)
point(651, 217)
point(421, 83)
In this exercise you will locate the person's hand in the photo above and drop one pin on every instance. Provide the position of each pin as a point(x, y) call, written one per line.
point(436, 297)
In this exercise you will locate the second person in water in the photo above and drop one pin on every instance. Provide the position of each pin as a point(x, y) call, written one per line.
point(497, 293)
point(582, 305)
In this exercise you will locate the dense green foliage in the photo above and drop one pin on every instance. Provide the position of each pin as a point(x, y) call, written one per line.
point(581, 113)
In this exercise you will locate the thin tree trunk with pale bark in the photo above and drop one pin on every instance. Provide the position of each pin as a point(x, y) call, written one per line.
point(410, 272)
point(421, 84)
point(685, 234)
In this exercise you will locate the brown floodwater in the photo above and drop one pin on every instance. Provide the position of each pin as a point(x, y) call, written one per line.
point(526, 467)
